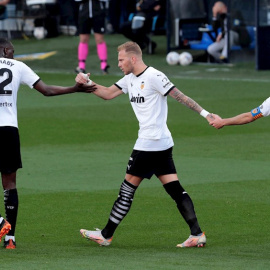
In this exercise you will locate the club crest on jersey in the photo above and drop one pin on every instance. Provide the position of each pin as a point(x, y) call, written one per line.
point(142, 85)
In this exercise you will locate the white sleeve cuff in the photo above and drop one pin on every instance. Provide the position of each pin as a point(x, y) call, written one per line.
point(204, 113)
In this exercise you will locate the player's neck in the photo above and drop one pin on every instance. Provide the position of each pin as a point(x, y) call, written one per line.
point(140, 68)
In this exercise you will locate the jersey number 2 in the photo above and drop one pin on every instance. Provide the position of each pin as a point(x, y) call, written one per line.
point(5, 82)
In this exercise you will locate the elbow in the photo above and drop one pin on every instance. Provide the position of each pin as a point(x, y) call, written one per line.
point(47, 94)
point(106, 98)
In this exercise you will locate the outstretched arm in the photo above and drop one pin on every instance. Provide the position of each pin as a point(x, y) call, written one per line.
point(239, 119)
point(100, 91)
point(107, 93)
point(54, 90)
point(190, 103)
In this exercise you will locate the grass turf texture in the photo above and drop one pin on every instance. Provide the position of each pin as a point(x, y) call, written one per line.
point(75, 149)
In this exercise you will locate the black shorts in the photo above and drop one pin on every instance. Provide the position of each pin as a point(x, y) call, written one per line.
point(86, 24)
point(10, 154)
point(145, 164)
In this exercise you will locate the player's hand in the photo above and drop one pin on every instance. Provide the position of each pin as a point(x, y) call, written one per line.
point(217, 122)
point(84, 87)
point(84, 83)
point(219, 37)
point(83, 78)
point(210, 117)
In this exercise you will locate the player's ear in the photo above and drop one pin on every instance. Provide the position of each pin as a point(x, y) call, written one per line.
point(133, 59)
point(5, 52)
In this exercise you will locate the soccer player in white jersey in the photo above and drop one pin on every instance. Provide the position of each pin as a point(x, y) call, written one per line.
point(243, 118)
point(12, 74)
point(148, 89)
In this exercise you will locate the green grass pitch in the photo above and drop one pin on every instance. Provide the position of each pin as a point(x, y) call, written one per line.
point(75, 149)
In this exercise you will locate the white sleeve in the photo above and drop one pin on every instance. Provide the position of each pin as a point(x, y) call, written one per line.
point(161, 83)
point(122, 84)
point(265, 107)
point(28, 76)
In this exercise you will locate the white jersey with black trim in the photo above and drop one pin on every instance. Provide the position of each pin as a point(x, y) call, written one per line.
point(148, 96)
point(262, 110)
point(265, 107)
point(12, 74)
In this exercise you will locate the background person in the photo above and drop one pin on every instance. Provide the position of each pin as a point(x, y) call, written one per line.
point(118, 12)
point(138, 29)
point(238, 33)
point(92, 14)
point(12, 74)
point(3, 9)
point(244, 118)
point(148, 89)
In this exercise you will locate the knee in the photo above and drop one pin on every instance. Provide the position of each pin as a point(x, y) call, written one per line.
point(9, 181)
point(209, 49)
point(84, 38)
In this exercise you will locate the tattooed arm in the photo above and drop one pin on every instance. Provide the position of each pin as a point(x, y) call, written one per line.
point(188, 102)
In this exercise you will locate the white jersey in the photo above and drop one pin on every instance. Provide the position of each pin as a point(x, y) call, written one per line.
point(12, 74)
point(265, 107)
point(148, 96)
point(262, 110)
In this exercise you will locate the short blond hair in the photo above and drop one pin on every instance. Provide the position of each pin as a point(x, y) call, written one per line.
point(130, 47)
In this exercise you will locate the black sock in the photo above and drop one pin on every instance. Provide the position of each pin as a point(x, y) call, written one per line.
point(11, 206)
point(120, 208)
point(184, 205)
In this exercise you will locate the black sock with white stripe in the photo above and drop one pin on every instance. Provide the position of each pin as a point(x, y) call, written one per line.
point(184, 205)
point(120, 208)
point(11, 202)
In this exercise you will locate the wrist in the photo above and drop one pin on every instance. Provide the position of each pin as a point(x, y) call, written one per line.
point(204, 113)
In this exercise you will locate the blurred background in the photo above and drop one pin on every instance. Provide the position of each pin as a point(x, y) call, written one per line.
point(180, 23)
